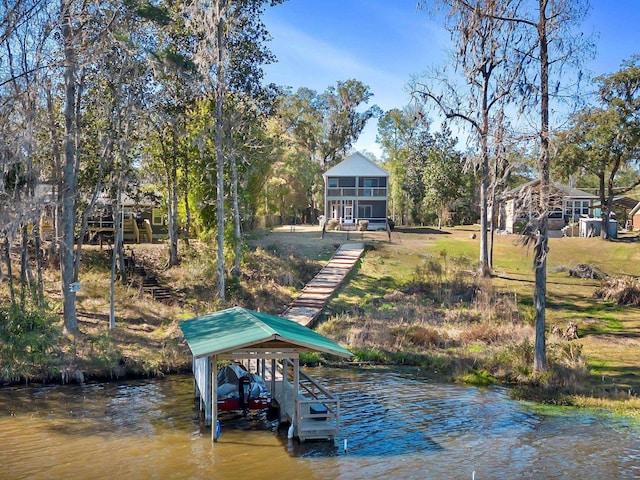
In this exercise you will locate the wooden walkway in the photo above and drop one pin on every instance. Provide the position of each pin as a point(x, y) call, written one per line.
point(315, 295)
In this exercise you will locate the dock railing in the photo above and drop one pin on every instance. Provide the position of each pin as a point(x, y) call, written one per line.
point(317, 410)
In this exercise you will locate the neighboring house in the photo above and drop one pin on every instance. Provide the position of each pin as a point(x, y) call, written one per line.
point(622, 207)
point(634, 217)
point(356, 189)
point(567, 205)
point(142, 221)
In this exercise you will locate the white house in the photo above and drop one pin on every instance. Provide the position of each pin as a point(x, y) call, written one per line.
point(356, 189)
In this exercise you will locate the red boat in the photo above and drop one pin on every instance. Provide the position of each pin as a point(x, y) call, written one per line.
point(240, 390)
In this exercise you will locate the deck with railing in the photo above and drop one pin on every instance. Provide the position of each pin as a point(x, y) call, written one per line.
point(340, 192)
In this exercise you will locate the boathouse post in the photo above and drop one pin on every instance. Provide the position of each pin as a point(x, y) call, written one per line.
point(296, 387)
point(284, 384)
point(205, 394)
point(214, 397)
point(273, 375)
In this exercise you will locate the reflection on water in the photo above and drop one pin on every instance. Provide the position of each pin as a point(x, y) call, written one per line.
point(396, 426)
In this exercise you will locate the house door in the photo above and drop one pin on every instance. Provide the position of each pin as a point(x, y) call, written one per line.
point(348, 212)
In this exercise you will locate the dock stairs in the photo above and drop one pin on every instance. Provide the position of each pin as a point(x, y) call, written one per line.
point(147, 280)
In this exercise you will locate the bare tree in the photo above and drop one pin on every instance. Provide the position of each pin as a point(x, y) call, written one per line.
point(541, 37)
point(548, 25)
point(484, 46)
point(557, 47)
point(23, 41)
point(213, 21)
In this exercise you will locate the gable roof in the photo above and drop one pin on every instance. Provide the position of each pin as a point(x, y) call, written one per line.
point(565, 190)
point(356, 164)
point(237, 328)
point(622, 202)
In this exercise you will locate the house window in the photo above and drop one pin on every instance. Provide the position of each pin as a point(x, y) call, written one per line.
point(333, 183)
point(370, 184)
point(364, 211)
point(156, 217)
point(575, 208)
point(585, 207)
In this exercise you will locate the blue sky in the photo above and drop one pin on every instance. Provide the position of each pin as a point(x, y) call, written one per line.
point(383, 43)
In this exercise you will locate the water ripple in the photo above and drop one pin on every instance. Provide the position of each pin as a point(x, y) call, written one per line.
point(396, 426)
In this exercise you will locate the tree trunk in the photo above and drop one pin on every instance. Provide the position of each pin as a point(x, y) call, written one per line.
point(608, 207)
point(483, 264)
point(25, 273)
point(236, 216)
point(69, 176)
point(7, 252)
point(484, 268)
point(57, 157)
point(492, 227)
point(603, 206)
point(187, 208)
point(117, 254)
point(541, 246)
point(172, 199)
point(38, 246)
point(219, 141)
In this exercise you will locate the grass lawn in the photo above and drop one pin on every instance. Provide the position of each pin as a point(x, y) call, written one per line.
point(609, 333)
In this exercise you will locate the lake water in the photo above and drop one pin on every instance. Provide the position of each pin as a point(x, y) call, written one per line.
point(395, 425)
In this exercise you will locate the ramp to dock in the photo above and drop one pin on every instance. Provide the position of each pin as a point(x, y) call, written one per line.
point(315, 295)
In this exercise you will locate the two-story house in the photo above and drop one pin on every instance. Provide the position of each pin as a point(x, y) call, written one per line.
point(356, 189)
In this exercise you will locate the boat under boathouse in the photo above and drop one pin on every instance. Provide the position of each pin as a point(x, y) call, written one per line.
point(268, 347)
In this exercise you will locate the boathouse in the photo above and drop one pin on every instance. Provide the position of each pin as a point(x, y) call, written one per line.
point(270, 347)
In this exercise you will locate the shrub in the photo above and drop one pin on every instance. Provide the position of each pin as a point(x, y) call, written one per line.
point(363, 225)
point(479, 378)
point(104, 354)
point(331, 224)
point(310, 359)
point(425, 337)
point(567, 364)
point(623, 291)
point(518, 357)
point(27, 340)
point(374, 355)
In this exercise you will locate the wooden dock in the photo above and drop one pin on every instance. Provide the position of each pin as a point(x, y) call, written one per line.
point(314, 411)
point(315, 295)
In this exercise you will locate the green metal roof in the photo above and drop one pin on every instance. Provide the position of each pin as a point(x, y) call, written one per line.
point(236, 328)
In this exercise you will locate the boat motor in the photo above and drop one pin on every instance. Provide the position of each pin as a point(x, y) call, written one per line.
point(244, 387)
